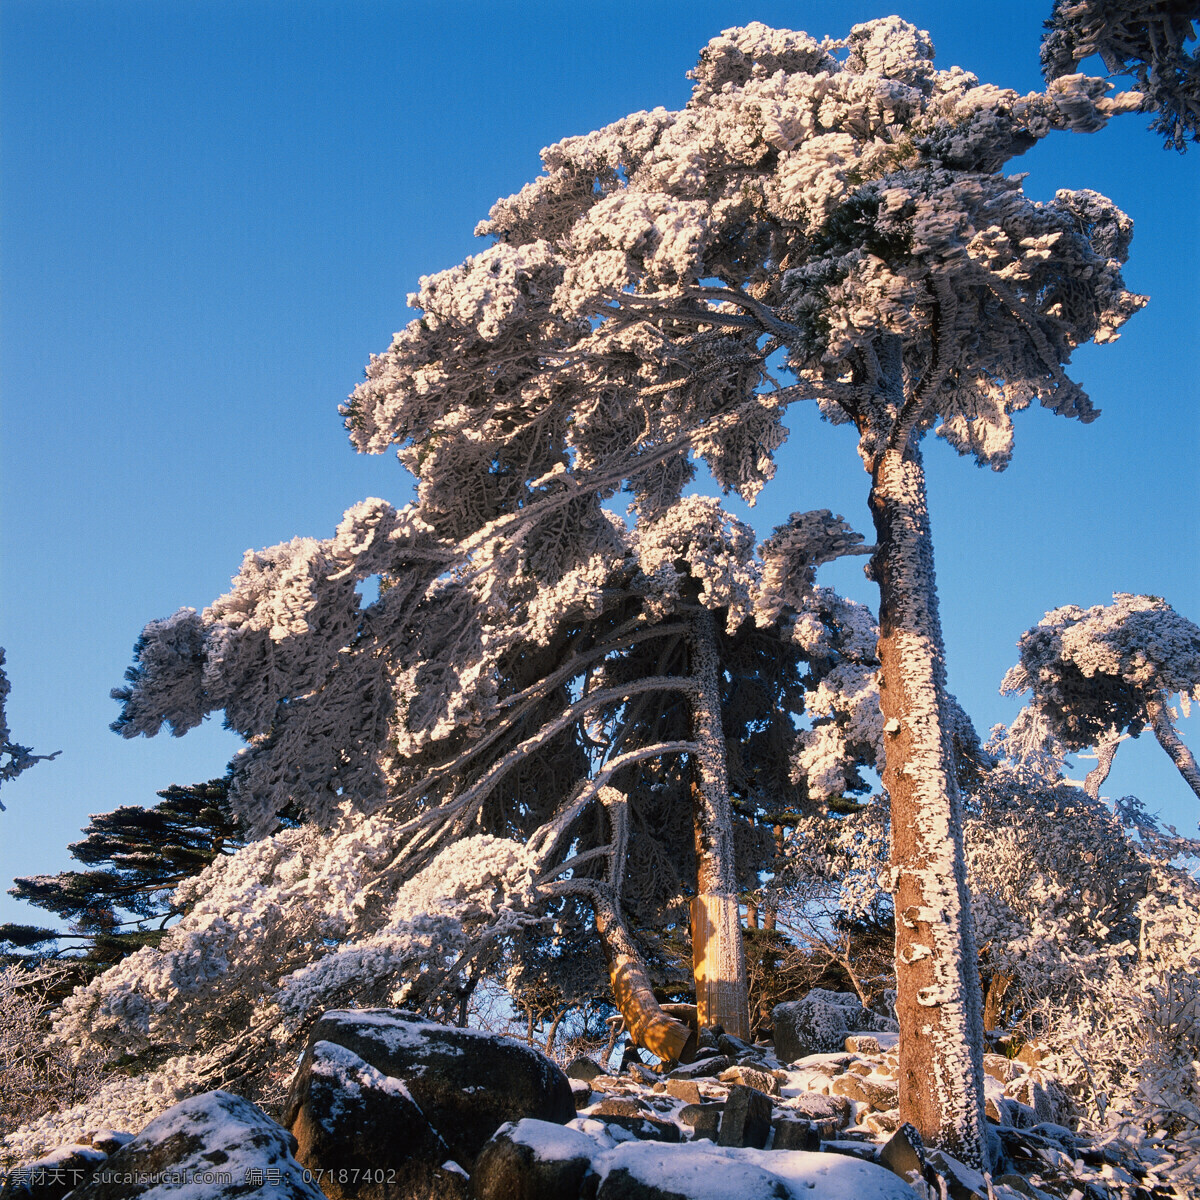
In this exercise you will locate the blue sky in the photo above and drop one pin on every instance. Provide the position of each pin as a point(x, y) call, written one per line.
point(213, 212)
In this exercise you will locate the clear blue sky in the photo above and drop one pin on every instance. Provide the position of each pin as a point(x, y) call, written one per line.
point(213, 211)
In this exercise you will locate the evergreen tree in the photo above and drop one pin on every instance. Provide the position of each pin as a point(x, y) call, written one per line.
point(136, 858)
point(1148, 39)
point(849, 213)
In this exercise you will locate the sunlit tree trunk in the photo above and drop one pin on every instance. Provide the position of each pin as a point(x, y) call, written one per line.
point(648, 1025)
point(938, 1002)
point(718, 956)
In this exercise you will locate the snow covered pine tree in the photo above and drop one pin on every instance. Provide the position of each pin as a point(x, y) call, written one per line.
point(1147, 39)
point(841, 202)
point(1105, 673)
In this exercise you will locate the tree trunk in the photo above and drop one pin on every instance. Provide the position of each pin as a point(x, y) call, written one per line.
point(718, 956)
point(648, 1025)
point(938, 1001)
point(1170, 741)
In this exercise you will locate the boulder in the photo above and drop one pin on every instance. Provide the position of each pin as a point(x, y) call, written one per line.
point(794, 1133)
point(363, 1136)
point(904, 1154)
point(1045, 1096)
point(644, 1171)
point(746, 1120)
point(645, 1129)
point(999, 1068)
point(686, 1090)
point(734, 1047)
point(52, 1177)
point(532, 1160)
point(821, 1022)
point(620, 1106)
point(215, 1146)
point(703, 1068)
point(467, 1083)
point(816, 1106)
point(875, 1091)
point(705, 1119)
point(750, 1077)
point(584, 1068)
point(581, 1093)
point(962, 1182)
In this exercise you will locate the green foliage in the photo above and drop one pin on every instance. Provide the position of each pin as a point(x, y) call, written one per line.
point(135, 857)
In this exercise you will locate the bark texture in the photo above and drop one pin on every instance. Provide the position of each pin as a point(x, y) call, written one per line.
point(718, 956)
point(648, 1024)
point(938, 1003)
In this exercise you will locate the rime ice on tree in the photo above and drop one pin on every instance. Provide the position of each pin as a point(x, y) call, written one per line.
point(1101, 674)
point(841, 203)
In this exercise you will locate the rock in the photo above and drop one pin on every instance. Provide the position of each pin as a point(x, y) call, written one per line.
point(818, 1107)
point(1045, 1095)
point(208, 1147)
point(532, 1160)
point(466, 1082)
point(686, 1090)
point(630, 1055)
point(821, 1022)
point(999, 1068)
point(361, 1133)
point(883, 1123)
point(619, 1106)
point(1032, 1054)
point(962, 1182)
point(645, 1129)
point(108, 1141)
point(746, 1120)
point(872, 1090)
point(794, 1133)
point(702, 1068)
point(581, 1093)
point(749, 1077)
point(851, 1148)
point(904, 1154)
point(53, 1176)
point(642, 1171)
point(705, 1119)
point(734, 1047)
point(583, 1068)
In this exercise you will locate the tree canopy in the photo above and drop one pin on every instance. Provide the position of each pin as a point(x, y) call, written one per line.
point(831, 213)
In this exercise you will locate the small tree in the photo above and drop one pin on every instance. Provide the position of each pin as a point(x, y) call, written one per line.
point(136, 857)
point(1105, 673)
point(14, 758)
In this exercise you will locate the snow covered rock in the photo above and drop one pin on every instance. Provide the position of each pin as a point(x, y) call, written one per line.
point(703, 1068)
point(750, 1077)
point(53, 1176)
point(532, 1160)
point(214, 1146)
point(746, 1120)
point(584, 1068)
point(794, 1133)
point(904, 1154)
point(697, 1171)
point(361, 1134)
point(818, 1107)
point(466, 1083)
point(820, 1022)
